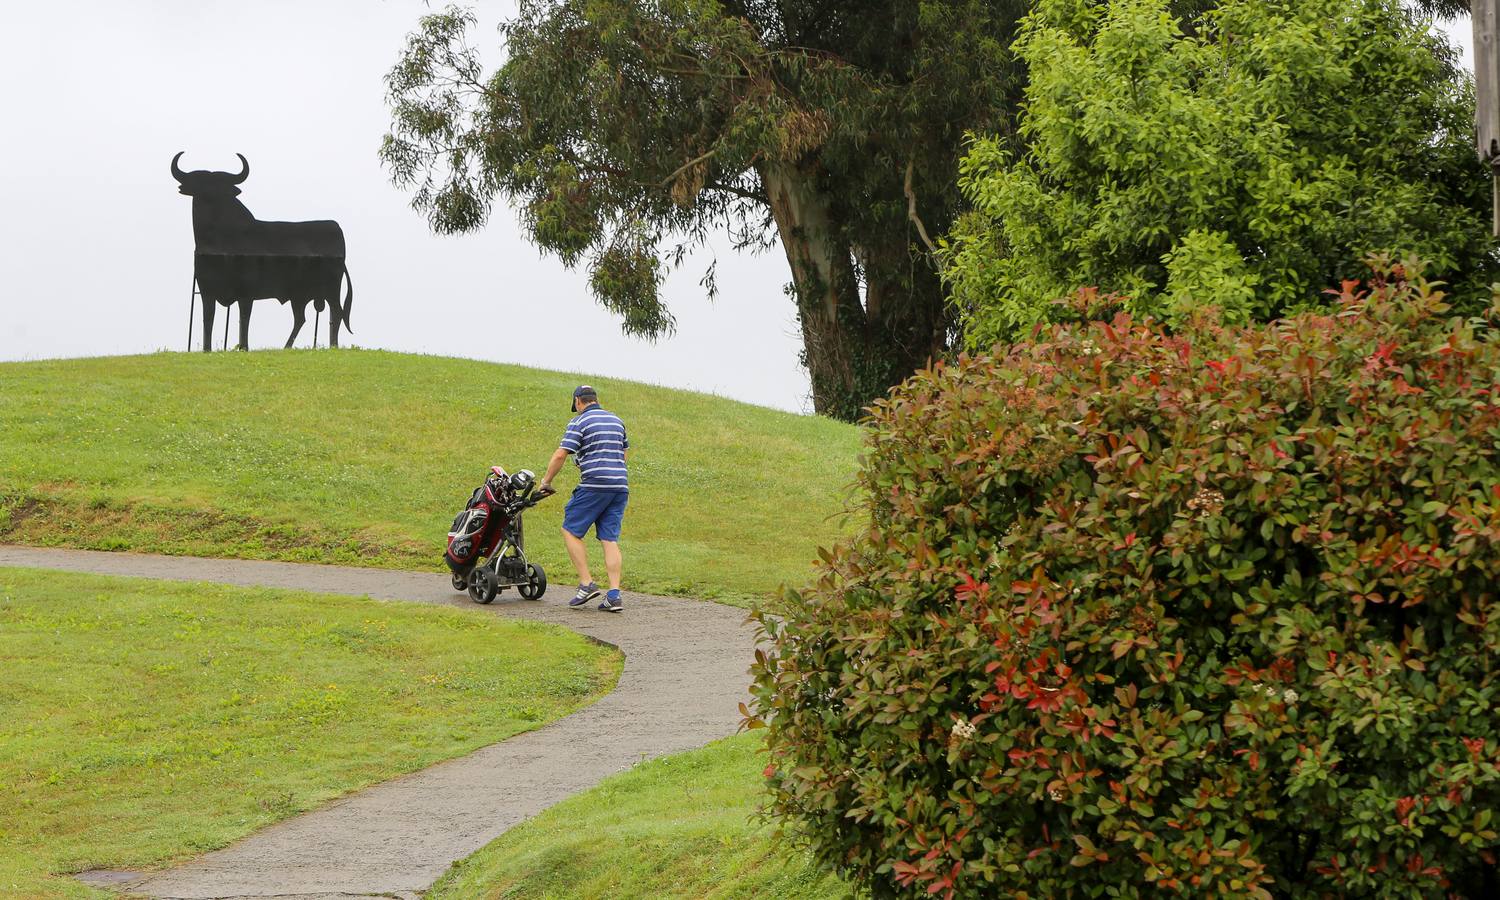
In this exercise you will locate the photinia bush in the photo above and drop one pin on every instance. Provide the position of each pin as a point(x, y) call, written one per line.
point(1139, 612)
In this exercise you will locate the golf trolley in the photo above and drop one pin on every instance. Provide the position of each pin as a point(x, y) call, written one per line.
point(487, 545)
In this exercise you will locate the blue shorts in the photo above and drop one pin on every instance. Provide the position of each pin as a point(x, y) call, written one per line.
point(601, 510)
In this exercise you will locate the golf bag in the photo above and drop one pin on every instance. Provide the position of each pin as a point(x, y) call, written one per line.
point(477, 530)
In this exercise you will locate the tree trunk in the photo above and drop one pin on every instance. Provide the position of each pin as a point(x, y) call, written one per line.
point(907, 311)
point(827, 290)
point(854, 352)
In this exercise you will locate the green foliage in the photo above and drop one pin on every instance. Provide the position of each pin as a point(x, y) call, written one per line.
point(146, 722)
point(1204, 613)
point(1448, 9)
point(626, 277)
point(619, 124)
point(1245, 161)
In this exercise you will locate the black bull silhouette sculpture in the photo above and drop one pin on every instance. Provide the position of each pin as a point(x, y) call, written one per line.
point(240, 259)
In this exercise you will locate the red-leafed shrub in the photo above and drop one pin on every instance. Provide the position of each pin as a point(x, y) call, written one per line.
point(1206, 613)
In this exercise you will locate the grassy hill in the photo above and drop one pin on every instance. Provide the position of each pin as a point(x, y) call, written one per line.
point(365, 456)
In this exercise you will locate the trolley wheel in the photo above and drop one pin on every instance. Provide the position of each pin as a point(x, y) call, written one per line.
point(460, 583)
point(536, 583)
point(482, 588)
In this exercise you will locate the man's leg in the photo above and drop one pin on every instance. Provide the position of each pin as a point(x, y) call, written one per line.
point(579, 555)
point(612, 562)
point(608, 532)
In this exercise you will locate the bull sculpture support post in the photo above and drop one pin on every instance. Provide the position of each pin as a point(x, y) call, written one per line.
point(240, 259)
point(1486, 14)
point(192, 302)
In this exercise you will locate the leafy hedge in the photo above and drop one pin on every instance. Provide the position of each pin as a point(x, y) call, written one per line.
point(1205, 613)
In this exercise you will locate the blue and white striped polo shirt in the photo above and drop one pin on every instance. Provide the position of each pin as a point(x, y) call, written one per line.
point(596, 438)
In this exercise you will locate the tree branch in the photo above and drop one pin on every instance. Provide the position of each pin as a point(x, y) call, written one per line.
point(737, 191)
point(911, 208)
point(667, 182)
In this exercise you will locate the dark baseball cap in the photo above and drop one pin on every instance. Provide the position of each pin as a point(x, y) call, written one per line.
point(583, 392)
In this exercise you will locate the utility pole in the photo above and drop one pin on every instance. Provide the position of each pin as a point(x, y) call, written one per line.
point(1486, 15)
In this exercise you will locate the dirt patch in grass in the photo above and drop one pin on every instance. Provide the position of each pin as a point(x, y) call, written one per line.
point(15, 511)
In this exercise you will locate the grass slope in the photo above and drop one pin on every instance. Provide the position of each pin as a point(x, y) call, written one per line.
point(146, 722)
point(682, 826)
point(366, 456)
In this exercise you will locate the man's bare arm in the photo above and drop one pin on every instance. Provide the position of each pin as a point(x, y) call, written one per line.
point(554, 466)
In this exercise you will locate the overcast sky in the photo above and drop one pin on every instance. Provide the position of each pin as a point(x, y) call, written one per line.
point(96, 243)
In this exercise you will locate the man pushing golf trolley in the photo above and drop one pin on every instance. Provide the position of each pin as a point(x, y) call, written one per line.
point(487, 544)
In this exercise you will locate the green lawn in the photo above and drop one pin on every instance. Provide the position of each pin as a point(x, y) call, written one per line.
point(365, 456)
point(682, 826)
point(146, 722)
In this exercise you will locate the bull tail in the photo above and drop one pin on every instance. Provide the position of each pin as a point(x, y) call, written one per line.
point(348, 299)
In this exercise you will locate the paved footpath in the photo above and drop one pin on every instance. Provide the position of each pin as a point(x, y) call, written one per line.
point(685, 674)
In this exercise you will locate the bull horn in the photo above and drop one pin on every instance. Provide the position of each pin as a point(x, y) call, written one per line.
point(177, 172)
point(244, 174)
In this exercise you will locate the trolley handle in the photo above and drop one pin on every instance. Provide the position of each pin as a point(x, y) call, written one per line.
point(529, 501)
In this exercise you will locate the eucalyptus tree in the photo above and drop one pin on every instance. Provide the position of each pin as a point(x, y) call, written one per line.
point(626, 132)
